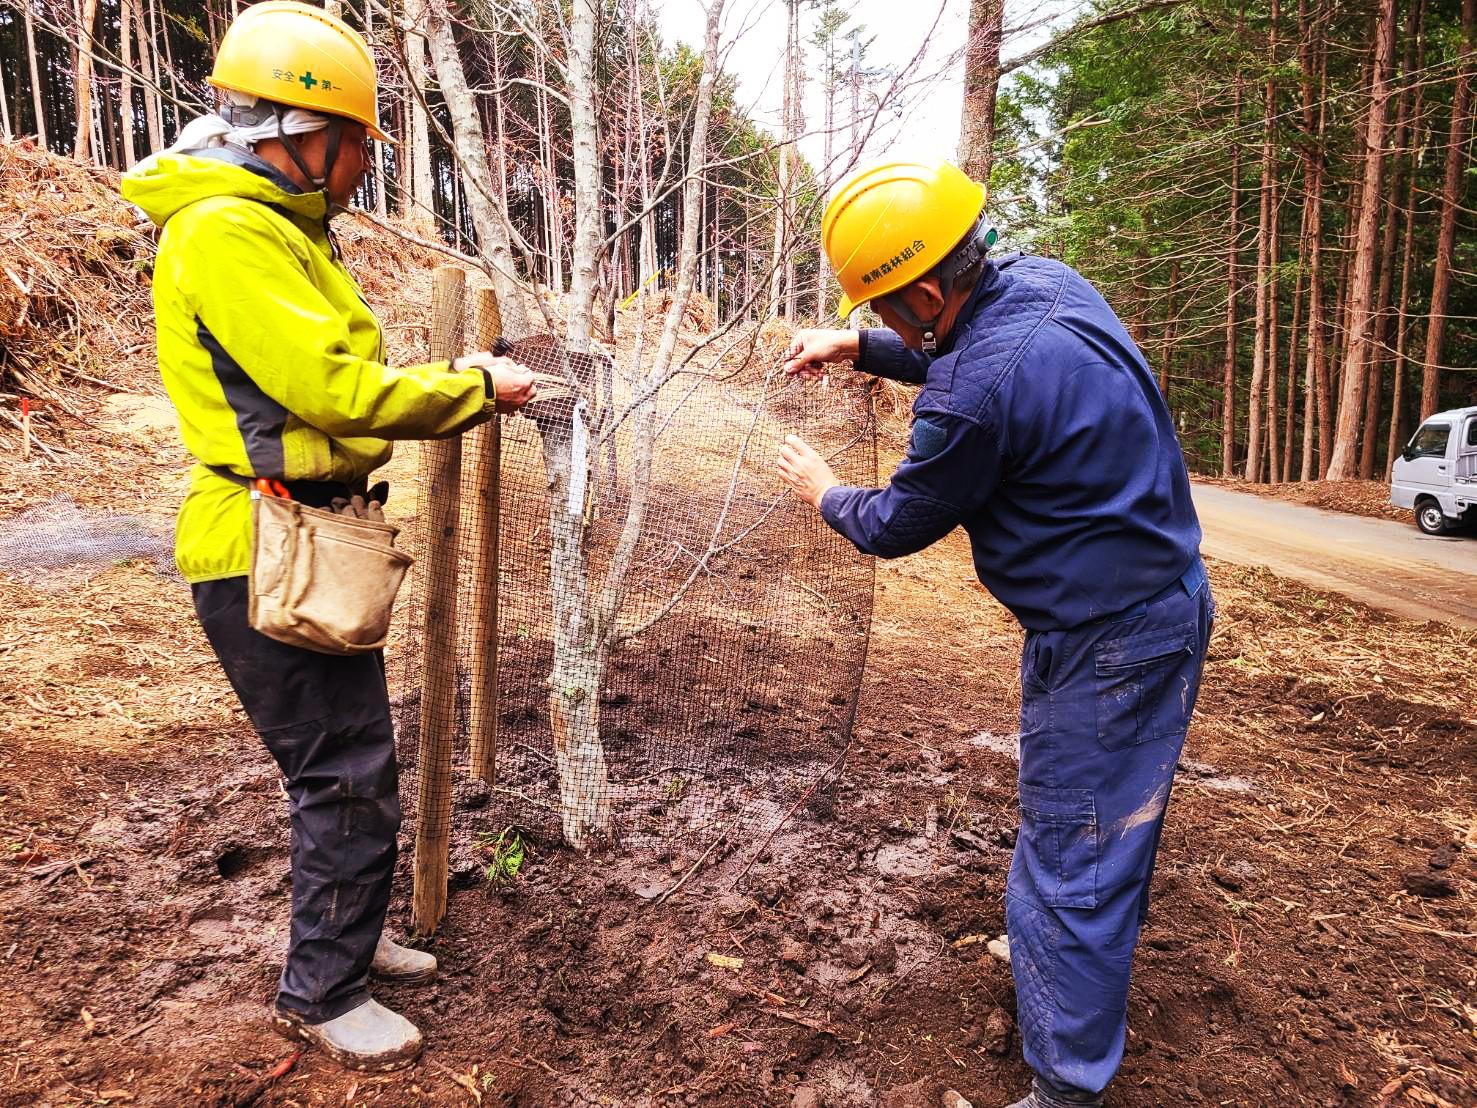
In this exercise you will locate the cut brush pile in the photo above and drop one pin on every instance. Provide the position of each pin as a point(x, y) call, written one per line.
point(74, 291)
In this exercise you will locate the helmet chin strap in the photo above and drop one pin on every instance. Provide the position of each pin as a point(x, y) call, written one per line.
point(335, 137)
point(965, 258)
point(930, 340)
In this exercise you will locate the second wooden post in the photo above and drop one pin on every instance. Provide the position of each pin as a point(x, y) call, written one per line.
point(483, 491)
point(439, 509)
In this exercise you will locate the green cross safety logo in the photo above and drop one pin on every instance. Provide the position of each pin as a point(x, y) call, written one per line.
point(308, 80)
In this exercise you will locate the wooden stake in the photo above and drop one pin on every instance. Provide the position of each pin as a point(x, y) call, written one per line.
point(25, 428)
point(484, 495)
point(441, 462)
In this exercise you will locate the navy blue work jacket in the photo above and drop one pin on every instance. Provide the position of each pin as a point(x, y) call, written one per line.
point(1041, 430)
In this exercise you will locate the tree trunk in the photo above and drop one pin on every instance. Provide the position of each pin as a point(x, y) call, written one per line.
point(1383, 308)
point(125, 82)
point(549, 177)
point(981, 83)
point(1171, 331)
point(1228, 376)
point(377, 172)
point(5, 128)
point(1451, 196)
point(792, 150)
point(108, 147)
point(35, 74)
point(1265, 309)
point(782, 212)
point(422, 210)
point(1397, 395)
point(148, 66)
point(1310, 230)
point(1289, 405)
point(1361, 317)
point(580, 650)
point(466, 128)
point(823, 275)
point(1274, 246)
point(169, 67)
point(1322, 409)
point(1402, 323)
point(82, 86)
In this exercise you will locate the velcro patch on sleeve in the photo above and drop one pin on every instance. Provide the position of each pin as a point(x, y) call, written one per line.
point(928, 439)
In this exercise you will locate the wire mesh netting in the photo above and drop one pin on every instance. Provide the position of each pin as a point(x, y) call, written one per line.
point(58, 545)
point(679, 643)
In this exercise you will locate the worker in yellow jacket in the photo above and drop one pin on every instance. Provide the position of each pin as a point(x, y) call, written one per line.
point(276, 366)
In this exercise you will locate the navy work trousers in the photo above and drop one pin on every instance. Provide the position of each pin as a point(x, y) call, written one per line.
point(326, 722)
point(1104, 709)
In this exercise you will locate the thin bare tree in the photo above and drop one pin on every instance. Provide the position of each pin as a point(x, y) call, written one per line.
point(82, 87)
point(488, 214)
point(30, 24)
point(422, 185)
point(1344, 463)
point(1451, 201)
point(1266, 308)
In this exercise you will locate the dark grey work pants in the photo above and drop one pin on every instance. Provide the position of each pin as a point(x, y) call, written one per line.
point(326, 721)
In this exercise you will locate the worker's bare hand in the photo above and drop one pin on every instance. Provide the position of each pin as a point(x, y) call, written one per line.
point(512, 384)
point(815, 348)
point(805, 471)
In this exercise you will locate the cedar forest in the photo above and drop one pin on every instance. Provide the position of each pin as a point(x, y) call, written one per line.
point(1278, 199)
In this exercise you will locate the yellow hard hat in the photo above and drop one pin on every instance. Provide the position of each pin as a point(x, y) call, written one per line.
point(889, 225)
point(299, 55)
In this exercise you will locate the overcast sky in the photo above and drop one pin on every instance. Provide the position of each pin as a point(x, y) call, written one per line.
point(919, 41)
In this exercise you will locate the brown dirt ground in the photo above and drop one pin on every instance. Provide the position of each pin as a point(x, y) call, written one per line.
point(143, 868)
point(143, 886)
point(1359, 498)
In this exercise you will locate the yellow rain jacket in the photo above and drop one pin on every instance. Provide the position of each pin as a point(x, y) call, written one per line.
point(269, 351)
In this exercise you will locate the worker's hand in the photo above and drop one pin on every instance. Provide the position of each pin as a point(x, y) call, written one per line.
point(512, 383)
point(805, 471)
point(815, 348)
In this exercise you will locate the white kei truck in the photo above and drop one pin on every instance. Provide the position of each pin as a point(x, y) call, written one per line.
point(1436, 474)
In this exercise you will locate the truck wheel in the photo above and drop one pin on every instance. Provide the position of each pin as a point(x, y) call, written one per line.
point(1430, 518)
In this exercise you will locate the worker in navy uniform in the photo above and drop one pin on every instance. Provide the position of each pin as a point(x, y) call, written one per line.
point(1041, 431)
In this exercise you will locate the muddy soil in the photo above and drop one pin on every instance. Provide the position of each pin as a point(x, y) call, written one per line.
point(143, 893)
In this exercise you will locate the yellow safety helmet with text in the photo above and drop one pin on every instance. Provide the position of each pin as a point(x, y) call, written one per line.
point(298, 55)
point(891, 224)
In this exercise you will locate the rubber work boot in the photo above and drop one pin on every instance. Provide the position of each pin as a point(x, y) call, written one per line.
point(1042, 1097)
point(367, 1039)
point(393, 962)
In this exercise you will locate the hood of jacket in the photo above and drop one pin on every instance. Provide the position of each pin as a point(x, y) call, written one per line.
point(163, 185)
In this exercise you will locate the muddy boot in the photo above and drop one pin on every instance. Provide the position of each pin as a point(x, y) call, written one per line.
point(368, 1039)
point(1042, 1097)
point(393, 962)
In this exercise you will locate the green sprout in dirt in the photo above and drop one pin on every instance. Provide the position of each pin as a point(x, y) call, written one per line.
point(676, 788)
point(956, 811)
point(506, 854)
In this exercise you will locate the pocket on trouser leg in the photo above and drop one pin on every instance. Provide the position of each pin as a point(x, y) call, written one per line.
point(1057, 847)
point(1143, 686)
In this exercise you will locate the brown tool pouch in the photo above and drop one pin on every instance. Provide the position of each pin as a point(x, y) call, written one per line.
point(322, 581)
